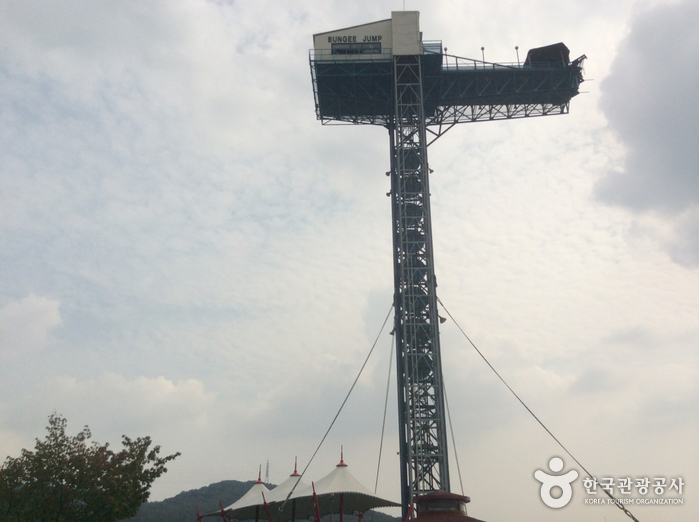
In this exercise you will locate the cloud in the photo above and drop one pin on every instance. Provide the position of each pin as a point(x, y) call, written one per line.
point(151, 404)
point(155, 406)
point(24, 325)
point(222, 262)
point(650, 100)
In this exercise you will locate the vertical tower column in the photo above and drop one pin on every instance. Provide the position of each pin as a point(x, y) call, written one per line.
point(422, 424)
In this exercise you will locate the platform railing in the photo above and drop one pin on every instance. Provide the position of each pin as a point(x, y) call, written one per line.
point(456, 63)
point(450, 62)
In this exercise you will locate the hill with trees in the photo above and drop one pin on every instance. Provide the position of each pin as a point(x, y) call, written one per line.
point(183, 506)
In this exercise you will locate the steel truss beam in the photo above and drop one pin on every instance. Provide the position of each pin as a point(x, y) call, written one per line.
point(422, 423)
point(445, 118)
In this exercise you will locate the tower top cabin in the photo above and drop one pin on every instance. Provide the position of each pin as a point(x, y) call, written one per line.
point(398, 35)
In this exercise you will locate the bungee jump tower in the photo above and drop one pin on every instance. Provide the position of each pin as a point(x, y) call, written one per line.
point(383, 73)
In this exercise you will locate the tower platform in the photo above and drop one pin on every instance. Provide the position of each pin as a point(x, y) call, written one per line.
point(352, 72)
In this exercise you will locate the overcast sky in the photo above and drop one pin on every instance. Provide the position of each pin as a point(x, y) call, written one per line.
point(186, 253)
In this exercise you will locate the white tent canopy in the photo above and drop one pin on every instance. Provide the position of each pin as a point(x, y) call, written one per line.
point(281, 508)
point(337, 492)
point(250, 505)
point(282, 491)
point(339, 480)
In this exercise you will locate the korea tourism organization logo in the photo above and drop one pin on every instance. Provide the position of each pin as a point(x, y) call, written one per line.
point(561, 482)
point(556, 489)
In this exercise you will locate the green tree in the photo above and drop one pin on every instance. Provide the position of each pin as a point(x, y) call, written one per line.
point(74, 480)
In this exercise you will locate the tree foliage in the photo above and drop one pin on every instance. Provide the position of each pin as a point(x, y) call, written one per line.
point(74, 480)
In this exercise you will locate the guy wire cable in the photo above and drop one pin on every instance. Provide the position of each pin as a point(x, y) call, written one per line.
point(453, 439)
point(338, 411)
point(385, 408)
point(615, 502)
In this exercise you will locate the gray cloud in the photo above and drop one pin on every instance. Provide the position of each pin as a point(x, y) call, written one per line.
point(186, 252)
point(650, 100)
point(24, 325)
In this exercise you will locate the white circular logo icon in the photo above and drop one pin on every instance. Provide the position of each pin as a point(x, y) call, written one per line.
point(548, 482)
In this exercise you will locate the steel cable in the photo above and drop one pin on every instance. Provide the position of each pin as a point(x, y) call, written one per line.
point(615, 501)
point(385, 409)
point(338, 411)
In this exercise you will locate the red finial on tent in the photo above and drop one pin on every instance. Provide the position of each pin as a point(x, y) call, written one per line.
point(198, 515)
point(295, 473)
point(342, 458)
point(259, 476)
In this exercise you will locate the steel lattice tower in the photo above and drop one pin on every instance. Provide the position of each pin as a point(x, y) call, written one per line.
point(422, 423)
point(382, 73)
